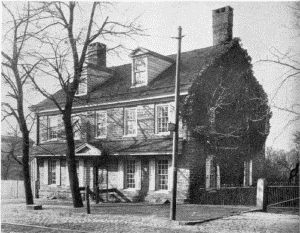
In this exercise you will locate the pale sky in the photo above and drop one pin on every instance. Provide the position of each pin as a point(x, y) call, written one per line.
point(259, 25)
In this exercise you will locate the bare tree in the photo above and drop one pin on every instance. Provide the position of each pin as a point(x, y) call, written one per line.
point(11, 166)
point(66, 45)
point(15, 75)
point(289, 63)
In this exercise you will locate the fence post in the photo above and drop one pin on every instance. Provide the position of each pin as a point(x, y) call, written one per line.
point(88, 209)
point(262, 194)
point(97, 194)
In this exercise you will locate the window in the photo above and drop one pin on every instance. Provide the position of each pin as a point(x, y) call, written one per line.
point(130, 121)
point(53, 127)
point(162, 173)
point(212, 173)
point(76, 127)
point(162, 119)
point(130, 174)
point(139, 71)
point(82, 87)
point(101, 124)
point(52, 172)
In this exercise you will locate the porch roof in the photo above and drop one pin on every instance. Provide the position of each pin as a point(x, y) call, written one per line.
point(117, 147)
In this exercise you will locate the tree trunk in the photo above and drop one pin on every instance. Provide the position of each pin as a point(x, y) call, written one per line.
point(74, 184)
point(25, 163)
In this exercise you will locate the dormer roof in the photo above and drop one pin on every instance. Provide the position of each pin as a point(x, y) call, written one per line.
point(142, 51)
point(119, 86)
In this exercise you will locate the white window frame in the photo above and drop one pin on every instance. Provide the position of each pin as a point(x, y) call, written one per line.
point(133, 175)
point(125, 122)
point(55, 126)
point(156, 119)
point(52, 171)
point(133, 81)
point(157, 179)
point(76, 134)
point(105, 123)
point(83, 84)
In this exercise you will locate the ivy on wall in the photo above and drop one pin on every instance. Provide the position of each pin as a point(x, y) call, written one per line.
point(227, 109)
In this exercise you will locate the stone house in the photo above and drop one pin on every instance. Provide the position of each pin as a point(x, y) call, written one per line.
point(121, 117)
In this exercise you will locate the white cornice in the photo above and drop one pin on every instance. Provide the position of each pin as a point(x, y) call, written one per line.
point(118, 102)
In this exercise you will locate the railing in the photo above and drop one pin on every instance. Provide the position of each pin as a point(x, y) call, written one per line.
point(283, 196)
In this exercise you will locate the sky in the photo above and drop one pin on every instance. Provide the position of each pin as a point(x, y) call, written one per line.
point(261, 26)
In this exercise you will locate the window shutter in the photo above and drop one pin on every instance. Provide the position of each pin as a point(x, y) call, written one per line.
point(218, 177)
point(170, 175)
point(152, 176)
point(67, 174)
point(57, 172)
point(250, 172)
point(61, 128)
point(121, 174)
point(208, 165)
point(91, 125)
point(246, 173)
point(43, 128)
point(137, 177)
point(83, 126)
point(81, 172)
point(172, 112)
point(45, 171)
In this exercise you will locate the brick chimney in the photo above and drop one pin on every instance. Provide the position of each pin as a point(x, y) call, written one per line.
point(222, 25)
point(97, 54)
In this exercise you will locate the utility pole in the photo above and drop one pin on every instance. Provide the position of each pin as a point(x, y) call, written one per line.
point(175, 133)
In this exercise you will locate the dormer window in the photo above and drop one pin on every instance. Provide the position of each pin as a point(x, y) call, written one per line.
point(82, 87)
point(147, 65)
point(139, 72)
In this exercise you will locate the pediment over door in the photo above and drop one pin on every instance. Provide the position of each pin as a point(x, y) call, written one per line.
point(87, 150)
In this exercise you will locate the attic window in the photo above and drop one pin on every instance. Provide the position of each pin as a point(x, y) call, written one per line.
point(139, 72)
point(82, 87)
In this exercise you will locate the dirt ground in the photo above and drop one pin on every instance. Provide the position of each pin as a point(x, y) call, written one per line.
point(58, 216)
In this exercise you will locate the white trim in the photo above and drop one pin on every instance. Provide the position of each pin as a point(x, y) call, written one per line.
point(133, 73)
point(83, 77)
point(124, 125)
point(96, 131)
point(118, 102)
point(92, 150)
point(169, 171)
point(156, 116)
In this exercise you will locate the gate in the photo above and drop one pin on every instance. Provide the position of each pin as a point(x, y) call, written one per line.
point(283, 196)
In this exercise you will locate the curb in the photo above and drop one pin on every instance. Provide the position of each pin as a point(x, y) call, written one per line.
point(191, 223)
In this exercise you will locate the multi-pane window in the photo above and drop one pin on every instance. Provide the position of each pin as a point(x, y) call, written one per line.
point(76, 127)
point(162, 172)
point(130, 174)
point(52, 172)
point(101, 124)
point(53, 127)
point(82, 87)
point(139, 71)
point(130, 121)
point(162, 118)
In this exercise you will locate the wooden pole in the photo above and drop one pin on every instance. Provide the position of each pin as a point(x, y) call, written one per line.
point(88, 209)
point(175, 133)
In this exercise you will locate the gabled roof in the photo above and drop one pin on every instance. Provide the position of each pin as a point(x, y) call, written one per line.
point(119, 87)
